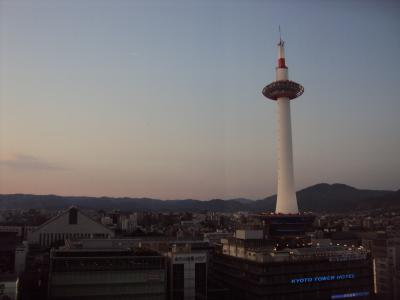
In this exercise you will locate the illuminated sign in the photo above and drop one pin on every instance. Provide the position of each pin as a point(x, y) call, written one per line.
point(350, 295)
point(321, 278)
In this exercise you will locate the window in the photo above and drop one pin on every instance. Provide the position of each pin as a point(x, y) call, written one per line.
point(73, 216)
point(178, 279)
point(201, 280)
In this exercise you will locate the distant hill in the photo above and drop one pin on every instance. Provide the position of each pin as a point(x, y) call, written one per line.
point(334, 197)
point(388, 200)
point(54, 202)
point(322, 197)
point(242, 200)
point(325, 197)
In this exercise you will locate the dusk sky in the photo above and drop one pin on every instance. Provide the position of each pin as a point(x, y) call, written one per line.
point(163, 98)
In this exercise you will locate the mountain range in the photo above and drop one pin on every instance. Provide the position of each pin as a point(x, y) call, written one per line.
point(321, 197)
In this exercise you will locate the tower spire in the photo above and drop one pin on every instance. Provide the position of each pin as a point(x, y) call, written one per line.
point(281, 52)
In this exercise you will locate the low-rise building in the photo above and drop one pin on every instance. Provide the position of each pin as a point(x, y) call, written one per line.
point(216, 237)
point(106, 273)
point(71, 223)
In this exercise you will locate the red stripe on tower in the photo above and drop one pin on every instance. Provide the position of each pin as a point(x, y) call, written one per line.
point(281, 63)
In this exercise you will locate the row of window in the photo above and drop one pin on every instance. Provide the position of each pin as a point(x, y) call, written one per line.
point(47, 239)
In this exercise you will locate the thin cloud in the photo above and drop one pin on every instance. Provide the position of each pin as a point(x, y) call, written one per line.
point(29, 162)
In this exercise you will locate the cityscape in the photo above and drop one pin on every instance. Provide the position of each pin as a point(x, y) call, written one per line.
point(255, 187)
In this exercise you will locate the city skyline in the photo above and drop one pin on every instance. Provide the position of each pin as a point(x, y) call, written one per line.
point(163, 99)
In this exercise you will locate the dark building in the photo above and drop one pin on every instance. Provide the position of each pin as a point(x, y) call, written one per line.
point(107, 274)
point(386, 253)
point(33, 281)
point(8, 245)
point(278, 225)
point(261, 273)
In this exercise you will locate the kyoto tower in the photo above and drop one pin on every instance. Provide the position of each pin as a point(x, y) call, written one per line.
point(282, 90)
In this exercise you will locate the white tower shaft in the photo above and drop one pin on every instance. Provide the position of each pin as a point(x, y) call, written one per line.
point(286, 196)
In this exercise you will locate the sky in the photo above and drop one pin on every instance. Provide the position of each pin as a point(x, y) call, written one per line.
point(163, 99)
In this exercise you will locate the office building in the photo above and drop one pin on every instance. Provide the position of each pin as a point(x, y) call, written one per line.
point(106, 273)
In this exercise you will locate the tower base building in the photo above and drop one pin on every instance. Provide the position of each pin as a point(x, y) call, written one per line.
point(253, 269)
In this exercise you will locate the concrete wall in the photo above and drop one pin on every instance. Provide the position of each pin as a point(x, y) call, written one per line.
point(9, 288)
point(245, 234)
point(189, 261)
point(20, 258)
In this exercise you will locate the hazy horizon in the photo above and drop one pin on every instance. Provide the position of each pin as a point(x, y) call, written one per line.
point(171, 199)
point(162, 99)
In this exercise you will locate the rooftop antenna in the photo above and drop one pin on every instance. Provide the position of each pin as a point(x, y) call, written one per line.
point(280, 36)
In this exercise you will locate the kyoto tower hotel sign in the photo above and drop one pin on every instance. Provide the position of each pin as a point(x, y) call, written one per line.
point(282, 90)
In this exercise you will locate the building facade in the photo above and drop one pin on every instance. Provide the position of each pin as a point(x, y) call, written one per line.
point(72, 223)
point(386, 253)
point(253, 269)
point(112, 274)
point(187, 273)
